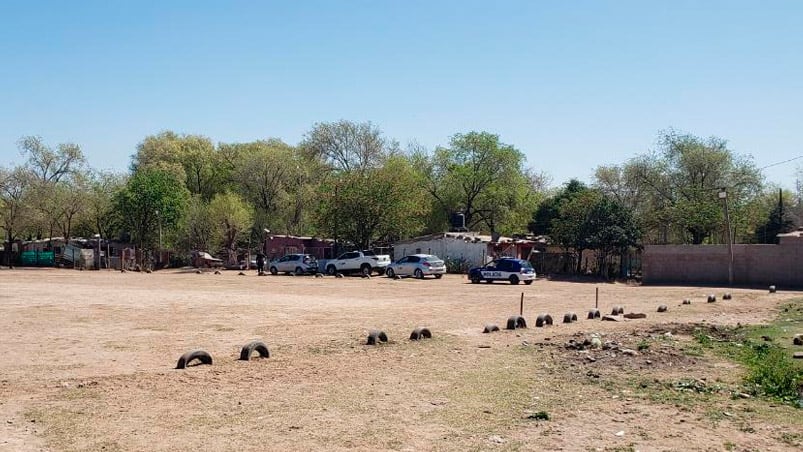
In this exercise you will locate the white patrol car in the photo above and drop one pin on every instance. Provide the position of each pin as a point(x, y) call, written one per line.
point(504, 269)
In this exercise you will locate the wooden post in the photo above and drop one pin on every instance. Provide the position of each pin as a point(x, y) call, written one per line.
point(521, 305)
point(596, 302)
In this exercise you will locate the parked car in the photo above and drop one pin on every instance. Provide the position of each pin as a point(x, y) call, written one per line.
point(364, 262)
point(504, 269)
point(418, 265)
point(294, 263)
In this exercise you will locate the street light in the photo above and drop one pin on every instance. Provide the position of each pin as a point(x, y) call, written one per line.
point(723, 195)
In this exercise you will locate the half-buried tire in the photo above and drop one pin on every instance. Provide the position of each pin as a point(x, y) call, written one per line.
point(516, 321)
point(375, 336)
point(200, 355)
point(543, 320)
point(490, 328)
point(593, 314)
point(420, 332)
point(255, 346)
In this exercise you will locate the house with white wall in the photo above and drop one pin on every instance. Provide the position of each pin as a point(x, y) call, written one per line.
point(462, 250)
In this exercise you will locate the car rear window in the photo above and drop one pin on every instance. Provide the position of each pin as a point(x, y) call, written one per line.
point(432, 258)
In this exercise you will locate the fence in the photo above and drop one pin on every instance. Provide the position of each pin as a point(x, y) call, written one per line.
point(38, 258)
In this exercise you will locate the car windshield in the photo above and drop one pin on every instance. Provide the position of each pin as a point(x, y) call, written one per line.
point(526, 264)
point(368, 253)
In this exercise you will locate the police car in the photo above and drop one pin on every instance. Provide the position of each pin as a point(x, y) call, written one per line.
point(505, 269)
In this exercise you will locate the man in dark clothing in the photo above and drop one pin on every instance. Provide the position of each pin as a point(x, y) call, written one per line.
point(260, 262)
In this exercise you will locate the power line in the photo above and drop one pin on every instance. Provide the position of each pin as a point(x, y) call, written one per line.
point(781, 163)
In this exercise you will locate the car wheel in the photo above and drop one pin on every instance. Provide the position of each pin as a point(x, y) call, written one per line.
point(390, 273)
point(514, 279)
point(438, 276)
point(475, 279)
point(331, 270)
point(418, 273)
point(528, 282)
point(366, 270)
point(273, 270)
point(299, 271)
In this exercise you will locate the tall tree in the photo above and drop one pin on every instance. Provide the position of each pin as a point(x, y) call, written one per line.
point(779, 218)
point(14, 185)
point(675, 188)
point(277, 180)
point(192, 158)
point(347, 146)
point(152, 200)
point(50, 165)
point(384, 203)
point(482, 178)
point(231, 219)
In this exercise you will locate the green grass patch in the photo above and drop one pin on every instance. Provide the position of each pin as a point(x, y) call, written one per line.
point(765, 351)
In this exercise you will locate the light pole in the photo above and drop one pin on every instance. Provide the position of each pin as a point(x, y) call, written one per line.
point(723, 195)
point(159, 253)
point(97, 236)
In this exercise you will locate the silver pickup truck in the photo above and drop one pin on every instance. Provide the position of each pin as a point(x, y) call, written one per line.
point(364, 262)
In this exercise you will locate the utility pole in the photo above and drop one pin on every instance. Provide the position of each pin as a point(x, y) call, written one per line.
point(723, 195)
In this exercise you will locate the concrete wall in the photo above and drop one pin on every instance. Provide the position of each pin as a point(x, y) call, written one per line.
point(753, 265)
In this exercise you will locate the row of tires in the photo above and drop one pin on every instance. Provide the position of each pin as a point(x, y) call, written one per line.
point(198, 357)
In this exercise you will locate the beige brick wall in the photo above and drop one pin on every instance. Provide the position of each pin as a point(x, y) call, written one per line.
point(781, 265)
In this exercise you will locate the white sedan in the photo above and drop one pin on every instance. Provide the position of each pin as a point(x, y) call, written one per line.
point(418, 265)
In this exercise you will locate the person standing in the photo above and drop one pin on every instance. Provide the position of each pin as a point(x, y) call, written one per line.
point(260, 262)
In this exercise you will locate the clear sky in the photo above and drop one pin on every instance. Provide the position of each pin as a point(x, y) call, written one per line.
point(573, 84)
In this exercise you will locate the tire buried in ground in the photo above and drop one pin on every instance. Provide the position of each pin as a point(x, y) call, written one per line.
point(569, 317)
point(490, 328)
point(543, 320)
point(712, 298)
point(617, 310)
point(727, 296)
point(516, 321)
point(376, 336)
point(593, 314)
point(255, 346)
point(662, 308)
point(200, 355)
point(420, 332)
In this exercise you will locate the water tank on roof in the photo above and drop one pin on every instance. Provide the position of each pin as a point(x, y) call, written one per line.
point(457, 222)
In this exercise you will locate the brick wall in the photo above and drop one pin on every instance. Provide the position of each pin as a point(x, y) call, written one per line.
point(753, 265)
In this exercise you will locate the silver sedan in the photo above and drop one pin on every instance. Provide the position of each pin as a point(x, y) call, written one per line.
point(418, 265)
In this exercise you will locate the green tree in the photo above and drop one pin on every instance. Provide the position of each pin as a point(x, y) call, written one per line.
point(277, 180)
point(14, 185)
point(549, 209)
point(152, 201)
point(191, 158)
point(383, 203)
point(675, 189)
point(482, 178)
point(100, 214)
point(347, 146)
point(780, 218)
point(231, 219)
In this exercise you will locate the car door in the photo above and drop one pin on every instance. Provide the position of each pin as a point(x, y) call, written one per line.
point(411, 265)
point(282, 264)
point(398, 266)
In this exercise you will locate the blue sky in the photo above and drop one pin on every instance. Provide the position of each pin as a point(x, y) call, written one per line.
point(572, 84)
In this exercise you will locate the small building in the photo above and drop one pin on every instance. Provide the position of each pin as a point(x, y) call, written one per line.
point(463, 250)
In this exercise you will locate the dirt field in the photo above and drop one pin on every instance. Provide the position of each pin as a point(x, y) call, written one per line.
point(88, 364)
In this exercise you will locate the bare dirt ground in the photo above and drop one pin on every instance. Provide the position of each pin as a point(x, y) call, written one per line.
point(88, 364)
